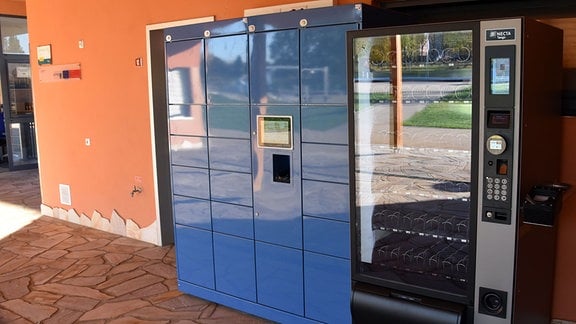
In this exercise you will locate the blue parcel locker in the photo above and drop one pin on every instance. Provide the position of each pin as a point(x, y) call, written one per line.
point(192, 212)
point(233, 219)
point(279, 275)
point(315, 194)
point(191, 182)
point(231, 187)
point(325, 162)
point(234, 266)
point(227, 70)
point(274, 120)
point(189, 151)
point(229, 121)
point(194, 256)
point(325, 124)
point(187, 120)
point(318, 231)
point(323, 76)
point(185, 65)
point(274, 62)
point(230, 154)
point(327, 287)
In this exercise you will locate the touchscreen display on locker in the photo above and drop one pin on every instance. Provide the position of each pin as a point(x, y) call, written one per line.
point(275, 132)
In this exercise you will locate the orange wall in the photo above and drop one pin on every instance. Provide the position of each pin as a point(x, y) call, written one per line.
point(13, 7)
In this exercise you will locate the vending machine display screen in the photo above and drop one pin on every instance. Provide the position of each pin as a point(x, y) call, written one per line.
point(500, 76)
point(499, 119)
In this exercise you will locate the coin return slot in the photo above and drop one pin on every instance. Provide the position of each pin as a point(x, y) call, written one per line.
point(498, 216)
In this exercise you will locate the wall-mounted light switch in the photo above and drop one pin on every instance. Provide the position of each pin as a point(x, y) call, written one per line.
point(87, 141)
point(81, 43)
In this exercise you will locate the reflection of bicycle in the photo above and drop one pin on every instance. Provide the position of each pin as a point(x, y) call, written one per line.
point(386, 59)
point(434, 92)
point(461, 55)
point(448, 55)
point(411, 57)
point(433, 55)
point(463, 92)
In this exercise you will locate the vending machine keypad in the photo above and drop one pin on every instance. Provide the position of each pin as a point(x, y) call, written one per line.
point(497, 189)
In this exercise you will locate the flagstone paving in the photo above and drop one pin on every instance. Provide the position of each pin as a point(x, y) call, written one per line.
point(52, 271)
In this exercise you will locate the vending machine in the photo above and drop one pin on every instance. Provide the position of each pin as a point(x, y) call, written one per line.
point(454, 171)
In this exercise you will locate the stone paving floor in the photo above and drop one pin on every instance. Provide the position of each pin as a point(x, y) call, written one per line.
point(53, 271)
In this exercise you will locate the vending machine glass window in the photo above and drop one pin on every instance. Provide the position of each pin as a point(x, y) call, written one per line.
point(413, 111)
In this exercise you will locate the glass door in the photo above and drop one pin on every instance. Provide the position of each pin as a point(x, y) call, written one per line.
point(413, 117)
point(17, 104)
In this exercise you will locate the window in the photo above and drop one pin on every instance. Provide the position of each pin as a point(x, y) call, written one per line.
point(14, 33)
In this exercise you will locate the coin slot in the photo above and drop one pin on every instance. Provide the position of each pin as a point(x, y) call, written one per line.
point(502, 166)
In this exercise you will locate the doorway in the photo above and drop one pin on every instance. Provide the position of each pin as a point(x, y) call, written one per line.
point(17, 131)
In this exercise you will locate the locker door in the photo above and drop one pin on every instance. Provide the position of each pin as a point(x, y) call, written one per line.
point(276, 178)
point(279, 276)
point(275, 118)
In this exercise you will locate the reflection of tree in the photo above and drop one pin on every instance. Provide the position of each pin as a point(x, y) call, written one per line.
point(380, 52)
point(11, 44)
point(227, 69)
point(282, 52)
point(223, 71)
point(414, 47)
point(324, 49)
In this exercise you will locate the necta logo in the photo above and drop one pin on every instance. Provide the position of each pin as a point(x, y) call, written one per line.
point(500, 34)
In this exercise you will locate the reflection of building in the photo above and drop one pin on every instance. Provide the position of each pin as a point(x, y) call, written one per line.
point(425, 47)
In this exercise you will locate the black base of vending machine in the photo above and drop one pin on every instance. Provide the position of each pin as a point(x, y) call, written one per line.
point(371, 306)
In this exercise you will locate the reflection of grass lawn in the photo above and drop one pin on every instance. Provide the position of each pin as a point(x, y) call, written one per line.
point(500, 88)
point(443, 115)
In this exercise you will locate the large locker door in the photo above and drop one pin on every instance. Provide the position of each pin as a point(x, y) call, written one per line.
point(275, 95)
point(325, 165)
point(276, 165)
point(279, 276)
point(229, 156)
